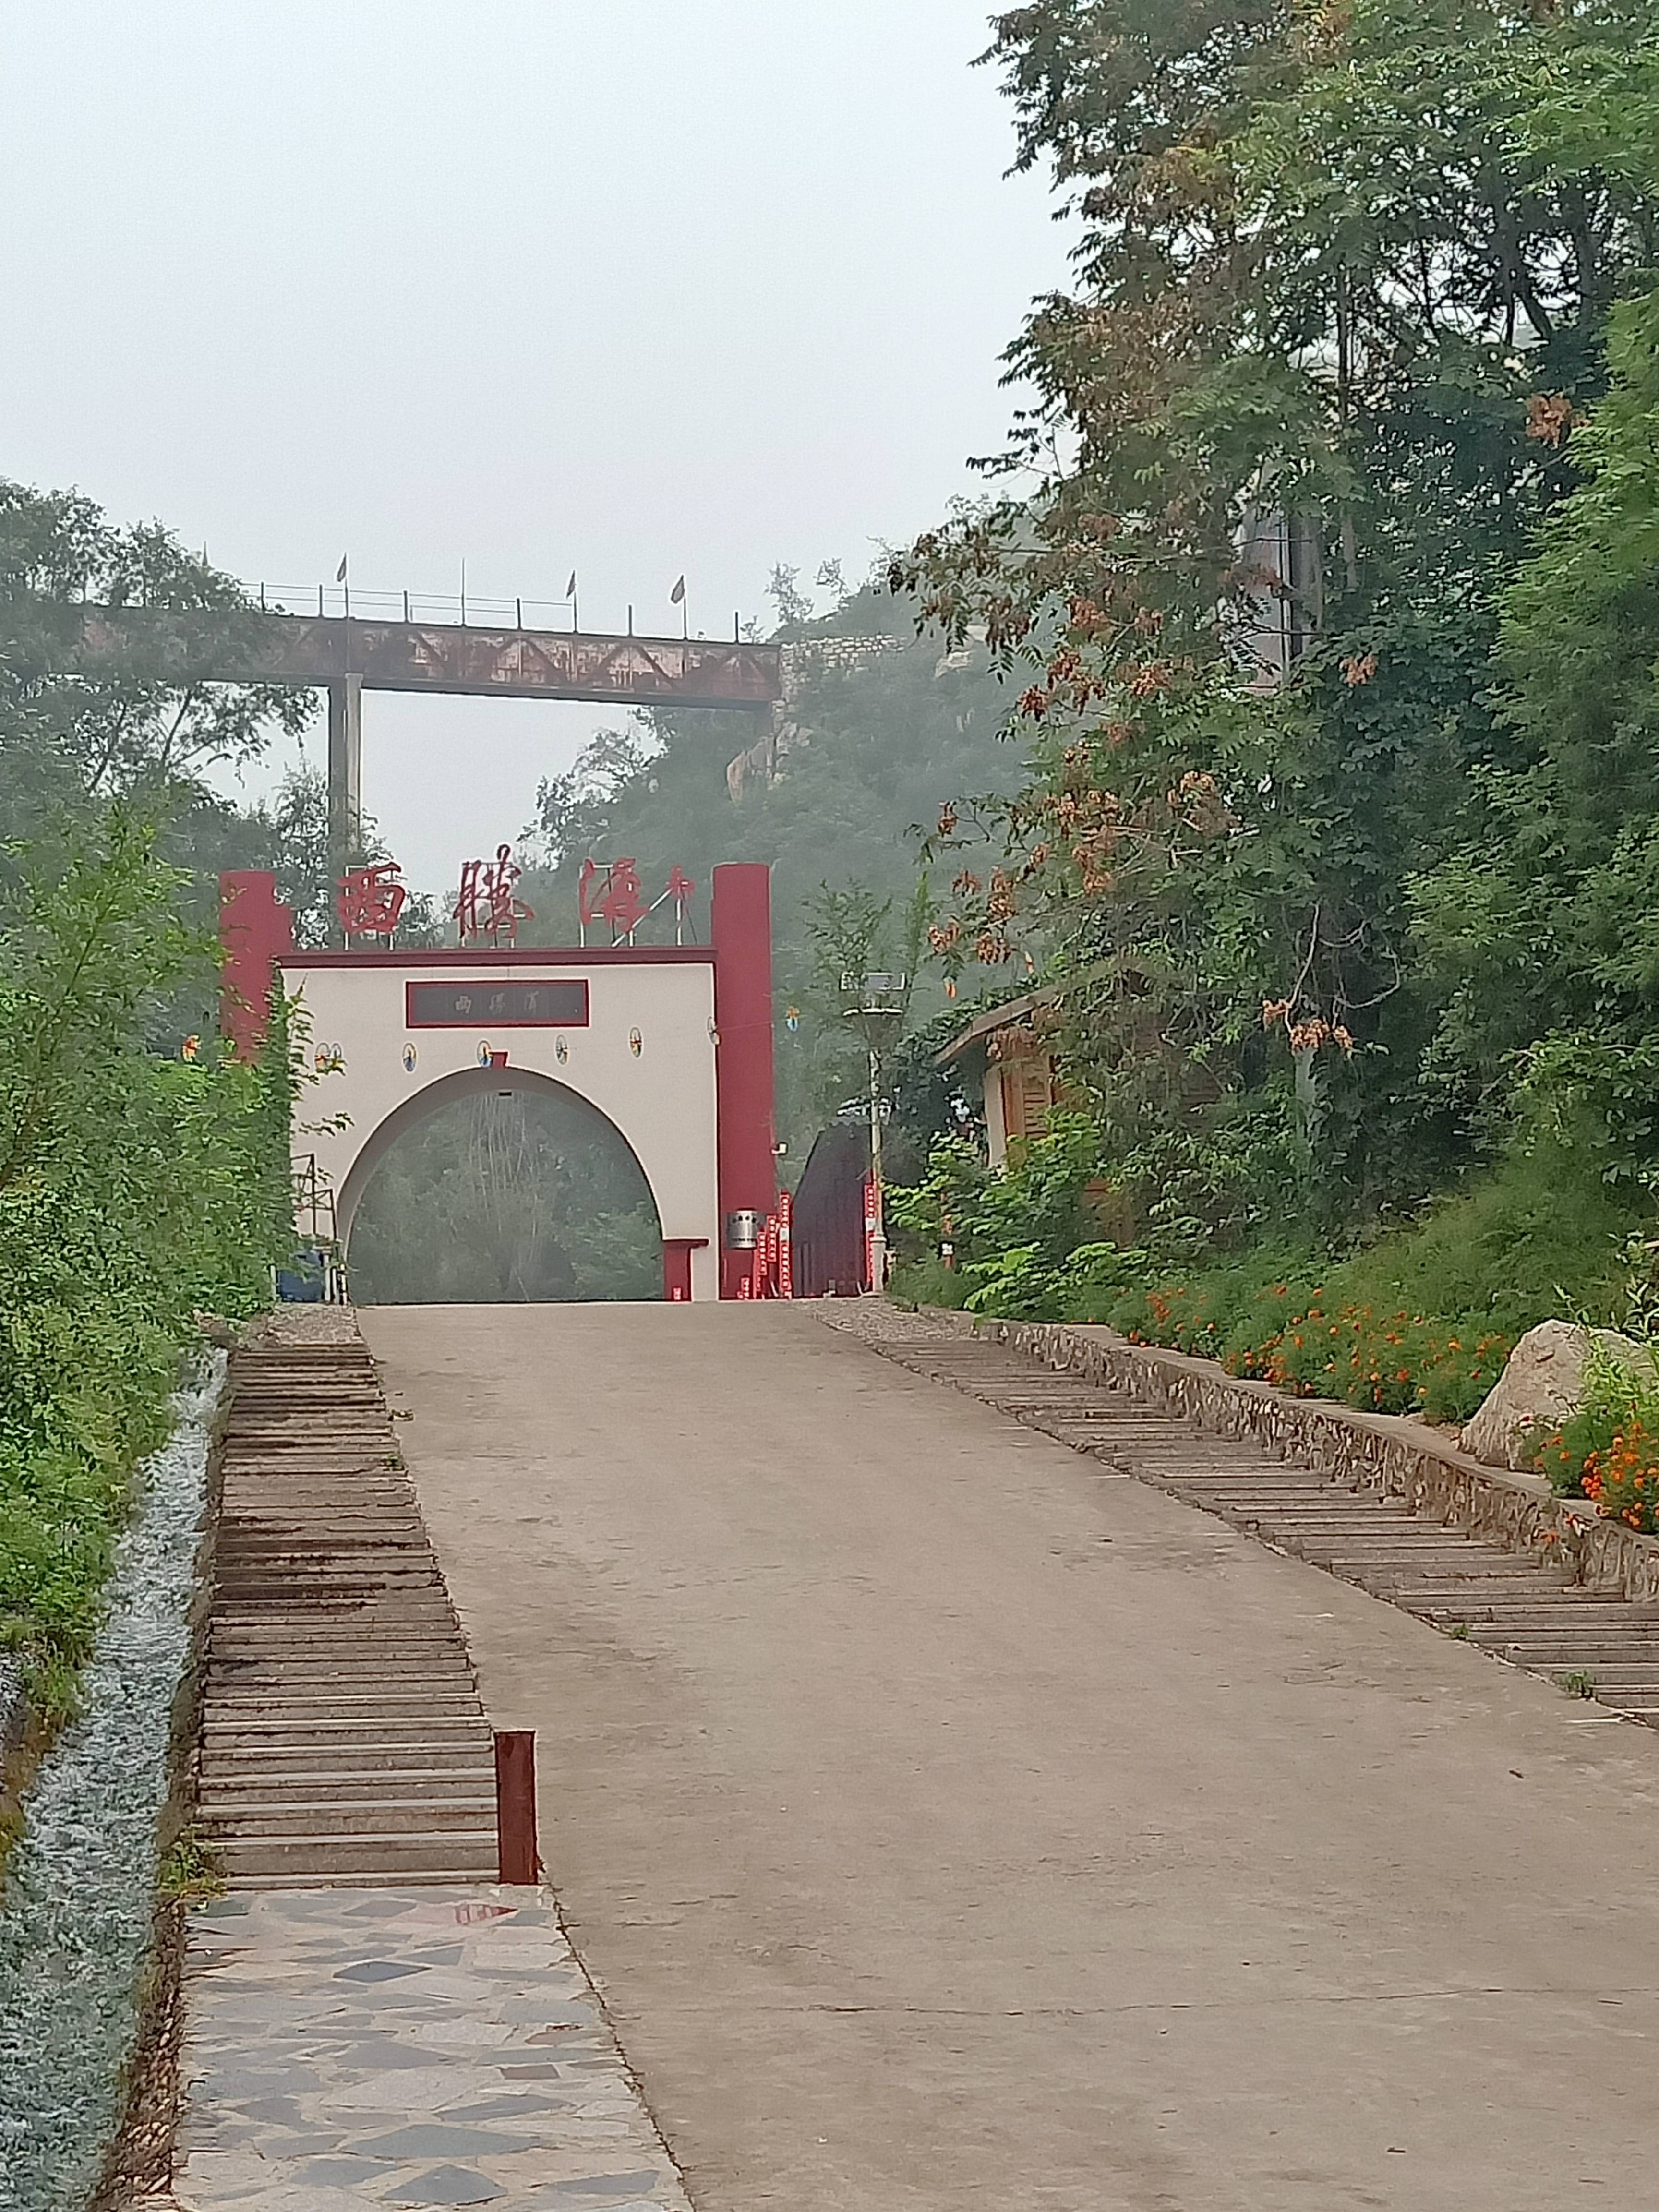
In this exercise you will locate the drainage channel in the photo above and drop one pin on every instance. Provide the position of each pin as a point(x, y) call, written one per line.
point(1517, 1606)
point(343, 1738)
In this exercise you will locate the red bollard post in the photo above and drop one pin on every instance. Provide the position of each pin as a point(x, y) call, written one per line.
point(515, 1806)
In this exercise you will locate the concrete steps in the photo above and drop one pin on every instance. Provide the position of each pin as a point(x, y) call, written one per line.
point(370, 1859)
point(1515, 1605)
point(351, 1763)
point(272, 1725)
point(343, 1737)
point(305, 1816)
point(261, 1785)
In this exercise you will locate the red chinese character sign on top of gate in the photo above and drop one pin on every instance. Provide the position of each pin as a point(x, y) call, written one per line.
point(487, 907)
point(370, 899)
point(611, 892)
point(611, 895)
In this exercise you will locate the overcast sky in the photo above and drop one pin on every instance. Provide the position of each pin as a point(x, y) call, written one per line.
point(632, 287)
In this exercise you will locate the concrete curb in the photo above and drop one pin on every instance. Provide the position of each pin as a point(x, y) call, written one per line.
point(1387, 1453)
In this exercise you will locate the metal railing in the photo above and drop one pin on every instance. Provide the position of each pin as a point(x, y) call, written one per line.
point(339, 600)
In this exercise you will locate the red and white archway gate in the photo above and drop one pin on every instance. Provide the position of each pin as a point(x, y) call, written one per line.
point(671, 1043)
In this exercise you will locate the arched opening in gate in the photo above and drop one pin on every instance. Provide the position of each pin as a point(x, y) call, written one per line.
point(499, 1185)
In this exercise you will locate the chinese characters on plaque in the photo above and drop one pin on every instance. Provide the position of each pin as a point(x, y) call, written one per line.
point(561, 1003)
point(611, 894)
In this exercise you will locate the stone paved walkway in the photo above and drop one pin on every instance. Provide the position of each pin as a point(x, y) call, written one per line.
point(404, 2047)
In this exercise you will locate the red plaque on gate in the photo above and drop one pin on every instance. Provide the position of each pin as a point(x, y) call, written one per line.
point(559, 1004)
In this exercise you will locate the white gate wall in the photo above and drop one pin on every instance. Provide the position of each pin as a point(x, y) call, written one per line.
point(647, 1060)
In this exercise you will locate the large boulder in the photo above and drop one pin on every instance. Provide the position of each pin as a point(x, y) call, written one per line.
point(1542, 1382)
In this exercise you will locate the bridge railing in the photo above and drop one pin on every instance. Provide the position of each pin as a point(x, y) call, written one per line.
point(483, 613)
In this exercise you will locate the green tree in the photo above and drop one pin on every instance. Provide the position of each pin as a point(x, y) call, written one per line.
point(1337, 302)
point(70, 744)
point(1539, 928)
point(135, 1191)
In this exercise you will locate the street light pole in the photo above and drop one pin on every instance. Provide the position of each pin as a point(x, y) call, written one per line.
point(878, 1234)
point(876, 1001)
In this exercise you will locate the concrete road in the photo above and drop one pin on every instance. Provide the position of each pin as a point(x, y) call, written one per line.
point(949, 1824)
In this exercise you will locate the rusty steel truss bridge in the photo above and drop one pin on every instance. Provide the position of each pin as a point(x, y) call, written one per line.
point(346, 655)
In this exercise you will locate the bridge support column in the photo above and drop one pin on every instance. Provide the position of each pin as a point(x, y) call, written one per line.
point(345, 777)
point(743, 1016)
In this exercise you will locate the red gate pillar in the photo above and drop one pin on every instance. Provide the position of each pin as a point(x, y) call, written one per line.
point(743, 1016)
point(255, 929)
point(676, 1266)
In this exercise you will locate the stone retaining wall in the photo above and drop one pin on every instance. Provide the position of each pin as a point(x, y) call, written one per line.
point(1393, 1455)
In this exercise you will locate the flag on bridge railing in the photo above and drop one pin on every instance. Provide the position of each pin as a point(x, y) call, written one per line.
point(340, 573)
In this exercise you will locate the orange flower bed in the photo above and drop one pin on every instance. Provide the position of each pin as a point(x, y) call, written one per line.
point(1393, 1363)
point(1623, 1478)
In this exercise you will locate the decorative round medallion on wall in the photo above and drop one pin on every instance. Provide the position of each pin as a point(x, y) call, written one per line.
point(410, 1057)
point(561, 1050)
point(483, 1055)
point(635, 1043)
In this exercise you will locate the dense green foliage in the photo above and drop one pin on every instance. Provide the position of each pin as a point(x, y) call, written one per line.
point(136, 1191)
point(68, 743)
point(144, 1177)
point(1336, 595)
point(1420, 1319)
